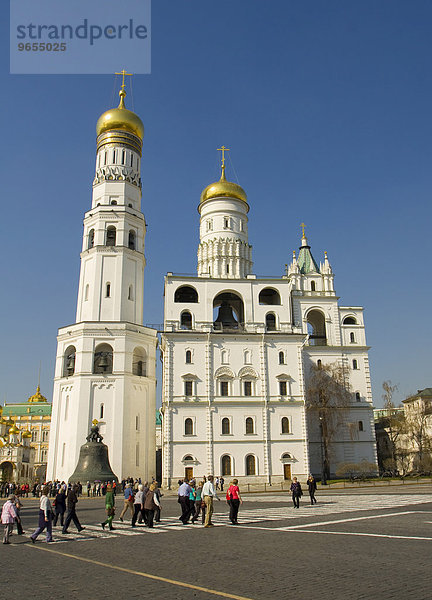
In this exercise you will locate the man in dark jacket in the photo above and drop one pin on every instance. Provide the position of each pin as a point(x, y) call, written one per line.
point(71, 501)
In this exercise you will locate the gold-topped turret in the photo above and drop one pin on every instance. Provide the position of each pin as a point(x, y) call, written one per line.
point(37, 397)
point(120, 118)
point(223, 188)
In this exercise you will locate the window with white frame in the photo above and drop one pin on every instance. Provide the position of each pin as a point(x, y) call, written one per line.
point(188, 426)
point(249, 426)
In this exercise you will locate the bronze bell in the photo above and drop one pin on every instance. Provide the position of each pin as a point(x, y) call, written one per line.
point(225, 318)
point(93, 463)
point(70, 366)
point(103, 361)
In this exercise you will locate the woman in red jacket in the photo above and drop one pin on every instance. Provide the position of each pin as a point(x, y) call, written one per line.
point(233, 500)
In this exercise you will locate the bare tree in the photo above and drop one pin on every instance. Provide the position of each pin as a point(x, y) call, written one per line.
point(328, 397)
point(393, 422)
point(417, 418)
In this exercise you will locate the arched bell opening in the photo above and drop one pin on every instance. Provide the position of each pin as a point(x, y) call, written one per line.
point(316, 328)
point(139, 362)
point(69, 361)
point(103, 359)
point(228, 311)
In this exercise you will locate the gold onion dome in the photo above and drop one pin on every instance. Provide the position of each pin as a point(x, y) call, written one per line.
point(224, 189)
point(14, 429)
point(26, 434)
point(120, 118)
point(37, 397)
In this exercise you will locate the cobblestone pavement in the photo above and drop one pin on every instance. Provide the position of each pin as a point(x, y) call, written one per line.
point(350, 546)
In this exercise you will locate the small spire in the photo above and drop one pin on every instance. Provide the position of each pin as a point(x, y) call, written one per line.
point(122, 92)
point(303, 239)
point(223, 150)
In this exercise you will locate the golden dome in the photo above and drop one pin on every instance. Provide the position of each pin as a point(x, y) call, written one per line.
point(120, 118)
point(37, 397)
point(26, 434)
point(223, 188)
point(14, 429)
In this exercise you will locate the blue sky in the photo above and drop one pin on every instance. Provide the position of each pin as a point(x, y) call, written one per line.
point(326, 107)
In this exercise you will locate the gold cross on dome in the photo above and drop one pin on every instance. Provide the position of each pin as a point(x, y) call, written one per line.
point(95, 422)
point(123, 73)
point(223, 150)
point(302, 225)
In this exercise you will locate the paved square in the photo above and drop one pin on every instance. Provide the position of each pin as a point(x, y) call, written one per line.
point(351, 545)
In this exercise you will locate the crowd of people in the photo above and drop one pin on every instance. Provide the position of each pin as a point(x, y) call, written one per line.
point(141, 501)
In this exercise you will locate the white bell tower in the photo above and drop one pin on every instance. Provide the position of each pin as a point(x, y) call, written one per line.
point(224, 251)
point(105, 366)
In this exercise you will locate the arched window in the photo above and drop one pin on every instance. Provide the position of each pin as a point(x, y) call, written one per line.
point(114, 202)
point(188, 426)
point(139, 362)
point(108, 290)
point(281, 358)
point(313, 287)
point(130, 292)
point(355, 364)
point(111, 236)
point(188, 458)
point(186, 293)
point(103, 359)
point(349, 321)
point(270, 322)
point(91, 237)
point(269, 296)
point(69, 361)
point(226, 465)
point(352, 338)
point(285, 425)
point(186, 320)
point(225, 426)
point(249, 425)
point(228, 311)
point(86, 293)
point(247, 357)
point(250, 465)
point(224, 357)
point(101, 412)
point(360, 426)
point(319, 363)
point(358, 397)
point(188, 356)
point(131, 242)
point(316, 328)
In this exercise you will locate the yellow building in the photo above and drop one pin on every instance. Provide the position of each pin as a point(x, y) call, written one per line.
point(33, 416)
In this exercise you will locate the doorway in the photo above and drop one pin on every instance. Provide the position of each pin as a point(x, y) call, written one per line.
point(188, 473)
point(287, 472)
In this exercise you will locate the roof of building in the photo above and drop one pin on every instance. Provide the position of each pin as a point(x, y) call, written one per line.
point(24, 409)
point(426, 393)
point(305, 261)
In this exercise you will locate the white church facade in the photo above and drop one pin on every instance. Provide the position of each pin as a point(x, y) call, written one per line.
point(237, 351)
point(105, 364)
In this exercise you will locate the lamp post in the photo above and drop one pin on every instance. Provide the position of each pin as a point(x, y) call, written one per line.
point(323, 473)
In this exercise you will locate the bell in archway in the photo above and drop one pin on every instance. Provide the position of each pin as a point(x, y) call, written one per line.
point(103, 362)
point(93, 463)
point(225, 318)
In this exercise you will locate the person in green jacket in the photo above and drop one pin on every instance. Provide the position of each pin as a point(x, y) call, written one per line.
point(109, 507)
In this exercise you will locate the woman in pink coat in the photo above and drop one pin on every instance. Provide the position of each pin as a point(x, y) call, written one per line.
point(8, 516)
